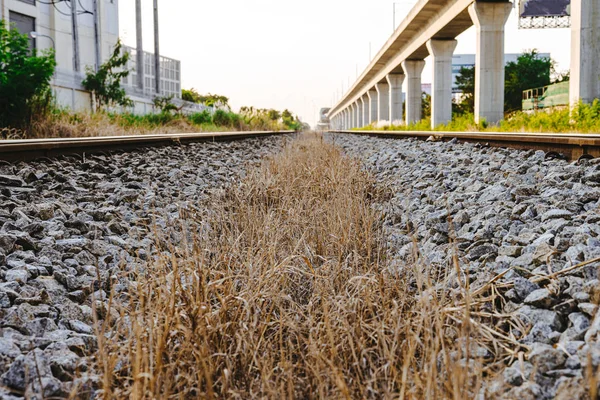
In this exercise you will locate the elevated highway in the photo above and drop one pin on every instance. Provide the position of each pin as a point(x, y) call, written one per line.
point(430, 29)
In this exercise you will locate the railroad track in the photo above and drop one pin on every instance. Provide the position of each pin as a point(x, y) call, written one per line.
point(568, 146)
point(30, 149)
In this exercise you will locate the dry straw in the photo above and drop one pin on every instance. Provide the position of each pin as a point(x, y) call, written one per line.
point(290, 294)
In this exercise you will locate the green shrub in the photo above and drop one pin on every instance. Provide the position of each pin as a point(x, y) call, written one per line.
point(222, 118)
point(200, 118)
point(105, 84)
point(24, 79)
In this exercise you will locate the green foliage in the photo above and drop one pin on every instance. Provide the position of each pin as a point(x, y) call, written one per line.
point(584, 118)
point(165, 104)
point(105, 84)
point(269, 119)
point(274, 115)
point(210, 100)
point(465, 81)
point(426, 105)
point(24, 79)
point(201, 118)
point(190, 95)
point(529, 72)
point(221, 118)
point(290, 122)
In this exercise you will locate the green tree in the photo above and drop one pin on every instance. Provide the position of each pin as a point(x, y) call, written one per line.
point(165, 104)
point(529, 72)
point(190, 95)
point(465, 82)
point(274, 115)
point(425, 105)
point(24, 77)
point(105, 84)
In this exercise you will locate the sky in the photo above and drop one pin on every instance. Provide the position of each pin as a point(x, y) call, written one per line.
point(297, 55)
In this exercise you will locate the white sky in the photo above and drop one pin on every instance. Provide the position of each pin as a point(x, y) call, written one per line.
point(292, 54)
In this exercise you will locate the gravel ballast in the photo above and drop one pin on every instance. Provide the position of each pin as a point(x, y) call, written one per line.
point(72, 227)
point(505, 210)
point(69, 229)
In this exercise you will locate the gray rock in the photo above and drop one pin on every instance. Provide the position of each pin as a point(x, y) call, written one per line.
point(63, 362)
point(546, 358)
point(589, 309)
point(486, 251)
point(527, 391)
point(17, 275)
point(524, 287)
point(535, 316)
point(7, 243)
point(540, 298)
point(518, 373)
point(592, 335)
point(11, 180)
point(26, 369)
point(579, 324)
point(555, 214)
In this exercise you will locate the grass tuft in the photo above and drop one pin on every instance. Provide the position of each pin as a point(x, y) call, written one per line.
point(290, 294)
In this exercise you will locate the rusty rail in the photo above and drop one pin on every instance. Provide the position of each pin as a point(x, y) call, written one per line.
point(29, 149)
point(568, 145)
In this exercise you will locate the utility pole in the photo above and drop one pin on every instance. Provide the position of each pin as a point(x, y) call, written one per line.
point(156, 49)
point(140, 46)
point(76, 67)
point(97, 34)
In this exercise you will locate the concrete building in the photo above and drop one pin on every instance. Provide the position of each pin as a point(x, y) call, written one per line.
point(430, 31)
point(97, 32)
point(170, 82)
point(54, 24)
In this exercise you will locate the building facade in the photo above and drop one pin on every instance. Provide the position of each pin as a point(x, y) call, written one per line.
point(98, 32)
point(170, 76)
point(97, 27)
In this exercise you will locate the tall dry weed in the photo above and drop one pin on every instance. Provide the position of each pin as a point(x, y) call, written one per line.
point(289, 294)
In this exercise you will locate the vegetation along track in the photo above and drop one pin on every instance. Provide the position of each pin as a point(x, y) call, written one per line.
point(333, 266)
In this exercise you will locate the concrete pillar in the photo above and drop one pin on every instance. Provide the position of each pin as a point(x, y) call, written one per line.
point(359, 114)
point(489, 20)
point(395, 81)
point(346, 119)
point(365, 109)
point(156, 51)
point(383, 101)
point(354, 115)
point(414, 94)
point(441, 89)
point(585, 51)
point(139, 68)
point(372, 94)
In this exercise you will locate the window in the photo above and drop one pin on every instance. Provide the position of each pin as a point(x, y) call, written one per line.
point(32, 2)
point(24, 24)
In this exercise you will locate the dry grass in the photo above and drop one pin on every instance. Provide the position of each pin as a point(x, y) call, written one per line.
point(66, 125)
point(290, 295)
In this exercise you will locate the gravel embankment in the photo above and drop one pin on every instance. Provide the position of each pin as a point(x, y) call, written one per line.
point(70, 227)
point(511, 210)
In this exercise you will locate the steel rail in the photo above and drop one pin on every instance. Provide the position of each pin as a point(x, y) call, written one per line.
point(30, 149)
point(571, 146)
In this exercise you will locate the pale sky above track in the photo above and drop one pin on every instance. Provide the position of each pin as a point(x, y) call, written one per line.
point(292, 54)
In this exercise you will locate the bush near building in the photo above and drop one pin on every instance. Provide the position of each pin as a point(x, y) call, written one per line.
point(24, 79)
